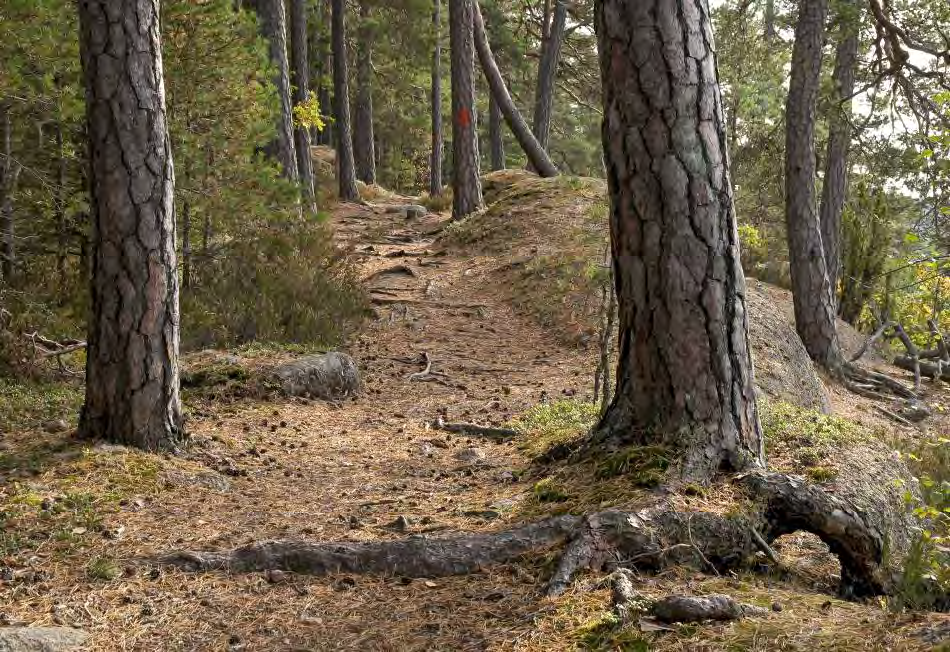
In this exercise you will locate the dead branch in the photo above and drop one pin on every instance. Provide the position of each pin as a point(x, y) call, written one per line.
point(894, 416)
point(912, 351)
point(687, 609)
point(427, 374)
point(868, 342)
point(473, 429)
point(933, 370)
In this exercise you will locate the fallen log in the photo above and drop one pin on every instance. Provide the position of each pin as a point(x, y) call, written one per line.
point(935, 370)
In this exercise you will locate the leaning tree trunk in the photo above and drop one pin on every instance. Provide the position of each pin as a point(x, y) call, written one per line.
point(496, 140)
point(835, 184)
point(547, 75)
point(685, 373)
point(435, 157)
point(273, 27)
point(466, 184)
point(300, 66)
point(811, 287)
point(132, 391)
point(363, 139)
point(346, 170)
point(537, 157)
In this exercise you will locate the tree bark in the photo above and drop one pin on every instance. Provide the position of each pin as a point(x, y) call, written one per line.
point(62, 234)
point(547, 75)
point(466, 184)
point(435, 157)
point(132, 386)
point(770, 31)
point(324, 67)
point(273, 27)
point(835, 184)
point(496, 140)
point(300, 65)
point(346, 170)
point(9, 173)
point(685, 373)
point(363, 139)
point(811, 286)
point(537, 157)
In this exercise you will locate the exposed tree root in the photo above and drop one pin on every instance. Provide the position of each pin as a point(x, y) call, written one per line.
point(936, 370)
point(649, 540)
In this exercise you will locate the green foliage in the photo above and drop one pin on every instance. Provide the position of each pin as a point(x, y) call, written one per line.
point(29, 404)
point(549, 490)
point(549, 424)
point(607, 633)
point(643, 466)
point(103, 569)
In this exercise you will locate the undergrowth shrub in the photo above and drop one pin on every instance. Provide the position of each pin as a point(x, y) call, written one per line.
point(287, 283)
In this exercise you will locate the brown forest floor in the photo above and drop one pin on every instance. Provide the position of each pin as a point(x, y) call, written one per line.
point(80, 521)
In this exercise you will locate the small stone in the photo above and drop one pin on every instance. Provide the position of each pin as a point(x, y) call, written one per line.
point(777, 606)
point(275, 575)
point(56, 425)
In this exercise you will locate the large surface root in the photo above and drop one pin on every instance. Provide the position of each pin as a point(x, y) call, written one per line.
point(648, 540)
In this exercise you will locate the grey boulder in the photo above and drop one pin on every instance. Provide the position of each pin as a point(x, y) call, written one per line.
point(328, 376)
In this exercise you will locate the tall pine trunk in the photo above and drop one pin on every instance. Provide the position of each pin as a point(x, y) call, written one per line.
point(685, 374)
point(272, 23)
point(132, 387)
point(300, 65)
point(435, 156)
point(547, 75)
point(466, 184)
point(323, 70)
point(811, 288)
point(496, 136)
point(345, 167)
point(835, 184)
point(9, 173)
point(363, 139)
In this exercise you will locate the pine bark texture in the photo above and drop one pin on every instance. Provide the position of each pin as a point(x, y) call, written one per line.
point(811, 286)
point(496, 136)
point(537, 157)
point(363, 139)
point(322, 51)
point(346, 170)
point(435, 157)
point(835, 183)
point(132, 386)
point(466, 184)
point(300, 66)
point(9, 173)
point(273, 27)
point(685, 372)
point(547, 75)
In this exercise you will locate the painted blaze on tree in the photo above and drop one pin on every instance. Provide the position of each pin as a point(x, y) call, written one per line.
point(685, 373)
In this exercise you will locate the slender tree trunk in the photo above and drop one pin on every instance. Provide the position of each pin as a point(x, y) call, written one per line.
point(363, 139)
point(62, 234)
point(435, 157)
point(547, 75)
point(273, 27)
point(770, 31)
point(537, 157)
point(9, 173)
point(496, 140)
point(186, 257)
point(323, 56)
point(467, 186)
point(346, 170)
point(685, 373)
point(835, 186)
point(132, 387)
point(300, 65)
point(811, 287)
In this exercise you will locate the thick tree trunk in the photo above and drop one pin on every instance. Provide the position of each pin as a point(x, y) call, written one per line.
point(435, 157)
point(466, 184)
point(300, 66)
point(537, 157)
point(547, 75)
point(345, 167)
point(363, 139)
point(811, 287)
point(132, 389)
point(496, 140)
point(273, 27)
point(685, 372)
point(835, 184)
